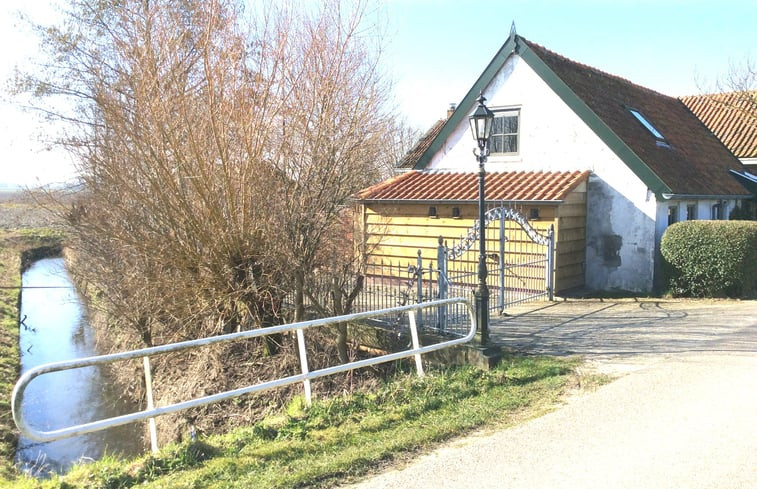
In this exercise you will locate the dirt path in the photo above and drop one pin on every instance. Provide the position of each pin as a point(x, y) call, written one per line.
point(682, 414)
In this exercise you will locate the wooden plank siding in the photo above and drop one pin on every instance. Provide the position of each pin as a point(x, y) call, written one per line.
point(400, 229)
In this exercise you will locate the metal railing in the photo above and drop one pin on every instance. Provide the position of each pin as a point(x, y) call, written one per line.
point(305, 377)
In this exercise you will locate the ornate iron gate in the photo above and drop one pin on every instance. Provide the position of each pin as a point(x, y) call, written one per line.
point(521, 269)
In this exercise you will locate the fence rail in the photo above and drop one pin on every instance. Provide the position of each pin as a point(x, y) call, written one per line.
point(305, 377)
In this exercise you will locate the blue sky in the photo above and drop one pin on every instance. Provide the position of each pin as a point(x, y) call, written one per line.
point(435, 49)
point(439, 47)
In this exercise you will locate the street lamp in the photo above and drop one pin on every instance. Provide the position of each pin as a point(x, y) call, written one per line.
point(481, 127)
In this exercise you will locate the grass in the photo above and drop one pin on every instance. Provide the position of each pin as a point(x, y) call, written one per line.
point(342, 439)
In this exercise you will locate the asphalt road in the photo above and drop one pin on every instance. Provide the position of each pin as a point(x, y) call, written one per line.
point(682, 413)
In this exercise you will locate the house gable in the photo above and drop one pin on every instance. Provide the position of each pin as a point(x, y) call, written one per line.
point(691, 162)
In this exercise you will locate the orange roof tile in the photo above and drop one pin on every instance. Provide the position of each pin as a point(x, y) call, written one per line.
point(694, 163)
point(732, 117)
point(457, 186)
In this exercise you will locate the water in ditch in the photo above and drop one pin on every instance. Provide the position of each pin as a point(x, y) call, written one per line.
point(54, 327)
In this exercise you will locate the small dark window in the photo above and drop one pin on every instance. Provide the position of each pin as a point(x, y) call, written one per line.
point(533, 213)
point(456, 212)
point(716, 212)
point(432, 211)
point(691, 212)
point(672, 214)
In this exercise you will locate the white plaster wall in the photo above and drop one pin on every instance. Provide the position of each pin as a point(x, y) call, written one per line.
point(621, 210)
point(704, 212)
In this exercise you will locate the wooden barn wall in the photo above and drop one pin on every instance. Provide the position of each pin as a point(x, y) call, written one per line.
point(396, 231)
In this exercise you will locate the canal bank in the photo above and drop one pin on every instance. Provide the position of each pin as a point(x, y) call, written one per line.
point(55, 327)
point(14, 246)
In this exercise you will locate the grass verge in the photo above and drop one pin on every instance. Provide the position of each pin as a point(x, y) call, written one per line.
point(342, 439)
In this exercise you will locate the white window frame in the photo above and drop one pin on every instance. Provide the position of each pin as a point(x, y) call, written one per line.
point(506, 112)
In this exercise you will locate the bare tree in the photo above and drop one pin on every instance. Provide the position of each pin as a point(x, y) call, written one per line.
point(218, 149)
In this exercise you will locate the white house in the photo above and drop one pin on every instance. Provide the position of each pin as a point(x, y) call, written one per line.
point(651, 161)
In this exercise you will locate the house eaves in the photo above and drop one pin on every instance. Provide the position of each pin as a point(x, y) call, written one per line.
point(691, 165)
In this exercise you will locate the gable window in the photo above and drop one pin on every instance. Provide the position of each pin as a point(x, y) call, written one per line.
point(649, 127)
point(504, 135)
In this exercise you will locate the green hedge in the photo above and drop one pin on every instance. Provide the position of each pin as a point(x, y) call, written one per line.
point(711, 258)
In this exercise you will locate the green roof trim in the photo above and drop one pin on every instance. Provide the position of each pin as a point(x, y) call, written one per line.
point(607, 135)
point(466, 105)
point(516, 44)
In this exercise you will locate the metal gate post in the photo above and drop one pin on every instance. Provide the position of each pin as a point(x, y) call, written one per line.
point(419, 284)
point(502, 239)
point(551, 263)
point(441, 280)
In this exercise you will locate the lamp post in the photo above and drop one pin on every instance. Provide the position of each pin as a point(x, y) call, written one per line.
point(481, 126)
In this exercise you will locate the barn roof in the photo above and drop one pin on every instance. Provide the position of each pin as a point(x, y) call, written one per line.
point(515, 186)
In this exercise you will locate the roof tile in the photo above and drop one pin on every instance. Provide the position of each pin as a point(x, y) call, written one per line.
point(695, 162)
point(732, 117)
point(421, 146)
point(458, 186)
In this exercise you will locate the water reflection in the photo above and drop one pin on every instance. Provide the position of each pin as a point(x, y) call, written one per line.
point(54, 328)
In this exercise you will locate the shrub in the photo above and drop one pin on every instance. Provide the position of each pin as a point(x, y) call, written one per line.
point(711, 258)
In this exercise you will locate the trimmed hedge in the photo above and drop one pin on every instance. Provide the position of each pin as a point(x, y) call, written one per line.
point(711, 258)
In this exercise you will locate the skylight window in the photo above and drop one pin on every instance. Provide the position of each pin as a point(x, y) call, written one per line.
point(649, 127)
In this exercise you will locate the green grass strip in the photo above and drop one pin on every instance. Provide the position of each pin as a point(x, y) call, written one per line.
point(344, 438)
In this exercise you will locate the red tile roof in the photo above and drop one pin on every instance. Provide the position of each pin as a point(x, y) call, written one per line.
point(690, 161)
point(695, 163)
point(457, 186)
point(732, 117)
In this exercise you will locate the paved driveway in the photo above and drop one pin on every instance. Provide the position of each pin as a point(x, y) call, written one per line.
point(683, 413)
point(612, 332)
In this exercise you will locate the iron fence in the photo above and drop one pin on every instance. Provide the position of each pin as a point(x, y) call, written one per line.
point(520, 268)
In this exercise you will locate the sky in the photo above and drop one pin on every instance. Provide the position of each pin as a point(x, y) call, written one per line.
point(435, 50)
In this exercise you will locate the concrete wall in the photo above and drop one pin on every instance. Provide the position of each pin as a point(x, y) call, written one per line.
point(621, 212)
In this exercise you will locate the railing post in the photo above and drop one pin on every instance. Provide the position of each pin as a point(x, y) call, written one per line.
point(416, 343)
point(150, 404)
point(419, 284)
point(304, 365)
point(550, 263)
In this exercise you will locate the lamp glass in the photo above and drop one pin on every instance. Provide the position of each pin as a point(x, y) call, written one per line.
point(481, 121)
